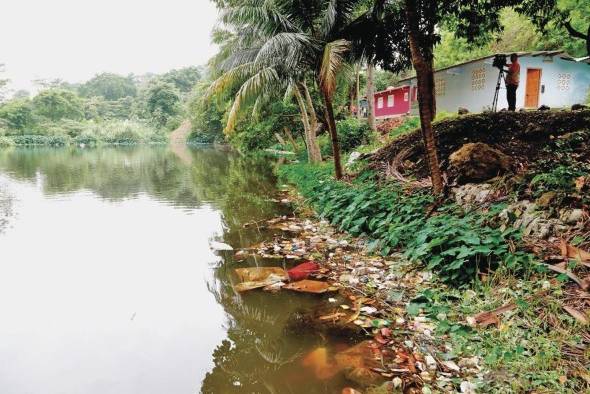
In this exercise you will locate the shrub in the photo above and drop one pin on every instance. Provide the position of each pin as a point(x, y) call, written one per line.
point(41, 140)
point(449, 242)
point(352, 133)
point(6, 142)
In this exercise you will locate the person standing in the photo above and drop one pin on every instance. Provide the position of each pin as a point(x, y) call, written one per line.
point(512, 81)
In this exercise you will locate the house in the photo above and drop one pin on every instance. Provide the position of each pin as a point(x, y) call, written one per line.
point(551, 78)
point(393, 101)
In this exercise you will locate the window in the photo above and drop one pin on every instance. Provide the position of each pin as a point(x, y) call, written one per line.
point(390, 100)
point(406, 96)
point(478, 78)
point(380, 102)
point(563, 82)
point(440, 86)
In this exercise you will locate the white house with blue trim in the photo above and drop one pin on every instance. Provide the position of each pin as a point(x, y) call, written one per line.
point(551, 78)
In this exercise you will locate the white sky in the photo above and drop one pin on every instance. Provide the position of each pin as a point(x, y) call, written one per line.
point(75, 39)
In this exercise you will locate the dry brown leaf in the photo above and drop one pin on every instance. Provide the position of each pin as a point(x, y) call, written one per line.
point(571, 252)
point(583, 283)
point(485, 319)
point(308, 286)
point(256, 274)
point(580, 183)
point(576, 314)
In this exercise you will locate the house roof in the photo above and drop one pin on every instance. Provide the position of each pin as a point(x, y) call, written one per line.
point(562, 54)
point(391, 89)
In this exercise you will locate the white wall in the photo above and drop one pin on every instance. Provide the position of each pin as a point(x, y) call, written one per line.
point(459, 90)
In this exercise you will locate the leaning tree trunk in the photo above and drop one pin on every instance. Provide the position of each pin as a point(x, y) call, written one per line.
point(426, 99)
point(371, 97)
point(333, 134)
point(313, 124)
point(311, 157)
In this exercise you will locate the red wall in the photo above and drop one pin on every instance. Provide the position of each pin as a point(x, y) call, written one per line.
point(400, 106)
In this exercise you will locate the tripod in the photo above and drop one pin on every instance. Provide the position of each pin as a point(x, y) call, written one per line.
point(501, 77)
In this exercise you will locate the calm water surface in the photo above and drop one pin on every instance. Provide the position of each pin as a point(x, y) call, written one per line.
point(108, 283)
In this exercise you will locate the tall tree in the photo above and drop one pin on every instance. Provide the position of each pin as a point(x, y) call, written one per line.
point(371, 96)
point(572, 16)
point(110, 86)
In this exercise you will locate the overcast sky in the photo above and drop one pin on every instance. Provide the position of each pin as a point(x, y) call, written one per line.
point(75, 39)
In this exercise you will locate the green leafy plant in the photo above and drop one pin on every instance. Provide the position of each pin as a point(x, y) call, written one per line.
point(451, 243)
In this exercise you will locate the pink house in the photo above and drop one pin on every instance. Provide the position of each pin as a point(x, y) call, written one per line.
point(393, 102)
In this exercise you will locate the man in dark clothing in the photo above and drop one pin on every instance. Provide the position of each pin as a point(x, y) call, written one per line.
point(512, 81)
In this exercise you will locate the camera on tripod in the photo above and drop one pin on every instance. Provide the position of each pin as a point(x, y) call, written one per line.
point(500, 61)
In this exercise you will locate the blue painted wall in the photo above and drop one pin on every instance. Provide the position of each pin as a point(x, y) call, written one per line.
point(472, 85)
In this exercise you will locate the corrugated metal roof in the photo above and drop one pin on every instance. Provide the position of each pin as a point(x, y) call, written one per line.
point(563, 54)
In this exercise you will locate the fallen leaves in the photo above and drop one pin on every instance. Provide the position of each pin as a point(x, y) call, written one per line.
point(576, 314)
point(308, 286)
point(485, 319)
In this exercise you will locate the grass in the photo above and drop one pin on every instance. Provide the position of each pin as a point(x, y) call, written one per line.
point(525, 353)
point(114, 132)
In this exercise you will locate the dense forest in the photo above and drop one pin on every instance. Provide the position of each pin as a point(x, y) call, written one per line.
point(108, 108)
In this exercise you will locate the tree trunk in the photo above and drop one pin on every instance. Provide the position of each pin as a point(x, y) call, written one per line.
point(371, 97)
point(306, 126)
point(313, 124)
point(291, 139)
point(359, 116)
point(333, 135)
point(426, 99)
point(578, 34)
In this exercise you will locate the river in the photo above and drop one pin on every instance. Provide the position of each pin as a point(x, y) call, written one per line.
point(108, 283)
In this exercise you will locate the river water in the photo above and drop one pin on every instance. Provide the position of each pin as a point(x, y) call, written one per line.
point(108, 283)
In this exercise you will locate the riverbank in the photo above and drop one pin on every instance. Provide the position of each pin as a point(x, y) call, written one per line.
point(469, 288)
point(89, 133)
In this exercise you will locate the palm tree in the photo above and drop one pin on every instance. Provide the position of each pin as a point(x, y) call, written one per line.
point(261, 59)
point(280, 43)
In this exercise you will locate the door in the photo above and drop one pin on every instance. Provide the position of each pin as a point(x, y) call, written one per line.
point(533, 87)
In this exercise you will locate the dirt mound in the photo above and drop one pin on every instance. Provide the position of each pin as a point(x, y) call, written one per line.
point(386, 126)
point(476, 162)
point(519, 135)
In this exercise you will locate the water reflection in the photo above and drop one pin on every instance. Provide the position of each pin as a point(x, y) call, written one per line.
point(108, 284)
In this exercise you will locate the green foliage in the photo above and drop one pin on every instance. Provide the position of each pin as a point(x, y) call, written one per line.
point(453, 244)
point(258, 132)
point(206, 117)
point(457, 246)
point(109, 86)
point(560, 179)
point(99, 108)
point(443, 115)
point(562, 167)
point(56, 104)
point(410, 124)
point(17, 114)
point(41, 140)
point(67, 132)
point(183, 79)
point(6, 142)
point(352, 133)
point(121, 132)
point(162, 102)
